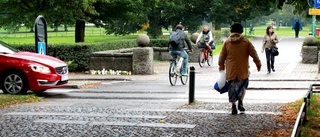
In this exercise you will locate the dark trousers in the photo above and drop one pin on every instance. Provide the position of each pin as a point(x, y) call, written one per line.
point(297, 33)
point(270, 59)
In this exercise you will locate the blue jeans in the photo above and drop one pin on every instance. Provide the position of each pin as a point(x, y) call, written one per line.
point(212, 46)
point(184, 55)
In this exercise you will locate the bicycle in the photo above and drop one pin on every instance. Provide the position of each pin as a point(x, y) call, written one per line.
point(204, 55)
point(175, 70)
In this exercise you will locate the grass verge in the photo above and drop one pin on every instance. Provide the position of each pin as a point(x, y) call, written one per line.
point(7, 99)
point(290, 113)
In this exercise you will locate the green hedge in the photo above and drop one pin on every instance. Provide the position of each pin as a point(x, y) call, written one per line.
point(78, 55)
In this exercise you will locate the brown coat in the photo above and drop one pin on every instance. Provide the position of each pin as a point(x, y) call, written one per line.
point(234, 56)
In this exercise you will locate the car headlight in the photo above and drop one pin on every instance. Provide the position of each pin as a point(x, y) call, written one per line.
point(39, 68)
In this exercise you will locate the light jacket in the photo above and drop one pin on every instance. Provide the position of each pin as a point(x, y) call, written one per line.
point(234, 57)
point(206, 36)
point(269, 41)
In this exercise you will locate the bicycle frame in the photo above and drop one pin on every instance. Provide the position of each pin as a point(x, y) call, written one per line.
point(177, 64)
point(204, 55)
point(175, 70)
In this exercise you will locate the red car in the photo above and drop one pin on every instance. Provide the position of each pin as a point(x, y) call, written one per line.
point(23, 71)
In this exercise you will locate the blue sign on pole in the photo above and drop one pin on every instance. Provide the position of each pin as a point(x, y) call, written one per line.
point(42, 48)
point(41, 35)
point(316, 3)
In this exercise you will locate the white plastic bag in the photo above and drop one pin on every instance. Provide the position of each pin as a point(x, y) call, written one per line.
point(221, 79)
point(221, 84)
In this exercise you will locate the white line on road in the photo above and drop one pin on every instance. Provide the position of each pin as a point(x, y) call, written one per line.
point(83, 114)
point(168, 125)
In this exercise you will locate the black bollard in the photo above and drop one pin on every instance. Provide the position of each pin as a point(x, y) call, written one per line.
point(191, 84)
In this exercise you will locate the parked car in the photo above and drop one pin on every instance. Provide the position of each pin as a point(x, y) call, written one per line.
point(23, 71)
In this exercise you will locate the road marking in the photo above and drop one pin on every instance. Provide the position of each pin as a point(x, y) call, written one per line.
point(207, 111)
point(225, 112)
point(167, 125)
point(280, 39)
point(290, 68)
point(84, 114)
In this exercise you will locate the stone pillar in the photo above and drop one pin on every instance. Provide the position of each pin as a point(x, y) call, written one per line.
point(309, 54)
point(142, 61)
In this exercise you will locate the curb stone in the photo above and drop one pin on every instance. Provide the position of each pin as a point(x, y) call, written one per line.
point(81, 84)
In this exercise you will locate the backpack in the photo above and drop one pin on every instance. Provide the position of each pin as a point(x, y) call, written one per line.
point(175, 39)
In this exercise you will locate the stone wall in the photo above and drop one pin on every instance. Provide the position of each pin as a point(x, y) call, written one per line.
point(112, 59)
point(162, 54)
point(137, 60)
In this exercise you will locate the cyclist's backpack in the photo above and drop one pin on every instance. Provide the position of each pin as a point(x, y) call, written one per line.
point(175, 39)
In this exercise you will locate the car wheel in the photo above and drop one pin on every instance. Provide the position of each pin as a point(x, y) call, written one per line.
point(14, 83)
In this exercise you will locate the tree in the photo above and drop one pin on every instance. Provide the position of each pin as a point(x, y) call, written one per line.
point(17, 12)
point(301, 6)
point(128, 19)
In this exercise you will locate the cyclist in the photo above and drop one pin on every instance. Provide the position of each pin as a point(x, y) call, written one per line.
point(208, 38)
point(179, 50)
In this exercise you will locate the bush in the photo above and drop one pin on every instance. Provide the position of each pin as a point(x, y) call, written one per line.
point(218, 37)
point(72, 66)
point(77, 55)
point(226, 32)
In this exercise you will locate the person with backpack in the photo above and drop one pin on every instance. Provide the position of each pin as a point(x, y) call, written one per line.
point(207, 38)
point(176, 46)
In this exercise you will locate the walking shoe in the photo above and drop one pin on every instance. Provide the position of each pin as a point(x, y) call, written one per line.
point(184, 73)
point(268, 72)
point(234, 109)
point(273, 70)
point(240, 107)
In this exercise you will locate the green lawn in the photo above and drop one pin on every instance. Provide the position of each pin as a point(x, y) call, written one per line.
point(282, 31)
point(94, 34)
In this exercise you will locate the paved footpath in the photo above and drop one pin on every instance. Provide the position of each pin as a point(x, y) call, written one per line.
point(288, 66)
point(148, 106)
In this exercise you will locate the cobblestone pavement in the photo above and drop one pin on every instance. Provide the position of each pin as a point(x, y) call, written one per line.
point(146, 105)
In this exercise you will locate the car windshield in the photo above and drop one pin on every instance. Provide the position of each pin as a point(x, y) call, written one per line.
point(6, 49)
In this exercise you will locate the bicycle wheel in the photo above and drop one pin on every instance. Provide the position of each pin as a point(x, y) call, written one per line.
point(201, 59)
point(209, 60)
point(172, 75)
point(184, 79)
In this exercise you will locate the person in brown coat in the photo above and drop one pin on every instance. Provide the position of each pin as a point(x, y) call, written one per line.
point(234, 58)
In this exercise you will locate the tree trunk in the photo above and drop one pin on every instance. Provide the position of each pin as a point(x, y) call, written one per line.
point(55, 27)
point(80, 28)
point(217, 26)
point(155, 29)
point(65, 27)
